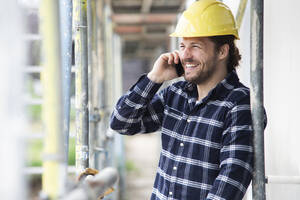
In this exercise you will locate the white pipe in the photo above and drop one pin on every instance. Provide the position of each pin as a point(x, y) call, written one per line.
point(283, 179)
point(94, 186)
point(12, 120)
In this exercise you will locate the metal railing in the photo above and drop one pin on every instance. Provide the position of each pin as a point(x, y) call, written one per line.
point(93, 187)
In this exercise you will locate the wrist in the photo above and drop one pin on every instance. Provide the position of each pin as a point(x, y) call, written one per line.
point(154, 78)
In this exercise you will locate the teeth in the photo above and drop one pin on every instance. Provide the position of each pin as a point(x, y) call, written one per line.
point(190, 65)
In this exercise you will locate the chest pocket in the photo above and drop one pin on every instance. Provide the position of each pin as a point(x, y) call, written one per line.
point(172, 118)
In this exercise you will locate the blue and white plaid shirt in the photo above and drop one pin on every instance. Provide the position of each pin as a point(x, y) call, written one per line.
point(206, 145)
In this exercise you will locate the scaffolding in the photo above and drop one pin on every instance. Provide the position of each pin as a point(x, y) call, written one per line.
point(57, 37)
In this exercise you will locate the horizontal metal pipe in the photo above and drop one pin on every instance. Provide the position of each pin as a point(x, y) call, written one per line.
point(39, 69)
point(32, 101)
point(283, 179)
point(40, 170)
point(33, 69)
point(32, 37)
point(93, 187)
point(144, 18)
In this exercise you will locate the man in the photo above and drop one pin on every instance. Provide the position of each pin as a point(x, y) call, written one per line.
point(205, 120)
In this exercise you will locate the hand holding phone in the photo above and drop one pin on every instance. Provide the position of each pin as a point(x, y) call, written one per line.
point(179, 69)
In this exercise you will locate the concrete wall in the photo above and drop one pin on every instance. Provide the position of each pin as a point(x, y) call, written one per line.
point(281, 96)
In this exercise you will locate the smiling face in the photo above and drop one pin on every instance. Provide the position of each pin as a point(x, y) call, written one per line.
point(199, 59)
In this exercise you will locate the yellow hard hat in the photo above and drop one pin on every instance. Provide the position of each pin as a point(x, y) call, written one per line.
point(206, 18)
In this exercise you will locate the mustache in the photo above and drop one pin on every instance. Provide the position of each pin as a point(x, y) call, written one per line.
point(188, 60)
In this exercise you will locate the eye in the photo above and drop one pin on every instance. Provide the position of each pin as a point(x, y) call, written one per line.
point(196, 46)
point(181, 47)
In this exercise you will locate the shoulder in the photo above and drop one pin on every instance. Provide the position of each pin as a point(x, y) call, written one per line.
point(239, 94)
point(176, 87)
point(174, 92)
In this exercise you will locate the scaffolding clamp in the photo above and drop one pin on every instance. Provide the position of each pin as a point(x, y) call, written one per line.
point(95, 116)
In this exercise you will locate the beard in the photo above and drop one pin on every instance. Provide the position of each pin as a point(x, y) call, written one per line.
point(203, 73)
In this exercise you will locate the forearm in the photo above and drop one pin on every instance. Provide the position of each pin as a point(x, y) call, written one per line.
point(235, 169)
point(134, 110)
point(231, 183)
point(236, 155)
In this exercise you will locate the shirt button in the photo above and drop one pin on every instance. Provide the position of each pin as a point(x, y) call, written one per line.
point(188, 120)
point(181, 144)
point(170, 193)
point(174, 168)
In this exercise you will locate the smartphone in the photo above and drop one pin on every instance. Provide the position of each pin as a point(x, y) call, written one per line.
point(179, 69)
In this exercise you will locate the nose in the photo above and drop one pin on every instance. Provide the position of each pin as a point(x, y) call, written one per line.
point(186, 54)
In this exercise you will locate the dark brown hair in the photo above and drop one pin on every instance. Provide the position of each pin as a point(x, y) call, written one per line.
point(234, 56)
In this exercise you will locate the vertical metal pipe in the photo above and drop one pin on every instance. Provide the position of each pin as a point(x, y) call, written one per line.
point(93, 75)
point(109, 78)
point(258, 183)
point(53, 162)
point(65, 7)
point(101, 55)
point(109, 55)
point(118, 142)
point(240, 13)
point(81, 84)
point(13, 125)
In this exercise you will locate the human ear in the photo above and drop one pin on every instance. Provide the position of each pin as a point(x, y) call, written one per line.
point(223, 51)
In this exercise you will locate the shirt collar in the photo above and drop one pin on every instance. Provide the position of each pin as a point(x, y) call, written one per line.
point(221, 89)
point(226, 85)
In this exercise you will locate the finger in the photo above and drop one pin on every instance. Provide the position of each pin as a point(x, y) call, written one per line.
point(176, 57)
point(171, 59)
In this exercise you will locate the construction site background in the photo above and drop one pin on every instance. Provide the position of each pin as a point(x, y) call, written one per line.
point(136, 157)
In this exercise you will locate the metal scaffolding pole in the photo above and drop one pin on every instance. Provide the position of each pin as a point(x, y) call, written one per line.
point(81, 72)
point(100, 152)
point(109, 67)
point(117, 148)
point(111, 81)
point(93, 80)
point(65, 7)
point(258, 182)
point(283, 179)
point(240, 13)
point(12, 120)
point(53, 162)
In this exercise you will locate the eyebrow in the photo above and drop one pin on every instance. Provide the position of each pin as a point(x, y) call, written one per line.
point(198, 43)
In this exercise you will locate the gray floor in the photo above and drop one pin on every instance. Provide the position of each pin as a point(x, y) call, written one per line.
point(142, 154)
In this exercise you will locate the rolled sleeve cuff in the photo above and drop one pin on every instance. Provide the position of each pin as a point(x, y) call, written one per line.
point(145, 88)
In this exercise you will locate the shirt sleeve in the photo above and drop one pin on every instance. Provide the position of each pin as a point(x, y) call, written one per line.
point(236, 155)
point(140, 110)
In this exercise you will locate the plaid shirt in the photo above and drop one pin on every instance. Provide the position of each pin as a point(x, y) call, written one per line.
point(207, 148)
